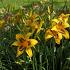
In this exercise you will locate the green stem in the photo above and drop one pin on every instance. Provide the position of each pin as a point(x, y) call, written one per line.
point(36, 64)
point(46, 57)
point(47, 63)
point(61, 56)
point(40, 61)
point(53, 58)
point(33, 62)
point(54, 50)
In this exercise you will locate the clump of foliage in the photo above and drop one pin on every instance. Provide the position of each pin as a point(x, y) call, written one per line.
point(35, 37)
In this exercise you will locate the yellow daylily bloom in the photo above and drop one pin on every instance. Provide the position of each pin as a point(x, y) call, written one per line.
point(60, 28)
point(51, 33)
point(24, 43)
point(57, 21)
point(63, 19)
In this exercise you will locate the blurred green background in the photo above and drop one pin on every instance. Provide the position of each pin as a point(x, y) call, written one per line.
point(18, 3)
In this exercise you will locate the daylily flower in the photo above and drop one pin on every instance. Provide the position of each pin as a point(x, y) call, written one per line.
point(60, 24)
point(31, 18)
point(24, 43)
point(63, 19)
point(38, 26)
point(52, 33)
point(60, 28)
point(34, 22)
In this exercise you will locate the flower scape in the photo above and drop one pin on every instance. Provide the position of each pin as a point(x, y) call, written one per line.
point(35, 37)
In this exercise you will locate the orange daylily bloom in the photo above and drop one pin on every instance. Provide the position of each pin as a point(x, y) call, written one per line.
point(33, 22)
point(24, 43)
point(32, 18)
point(38, 26)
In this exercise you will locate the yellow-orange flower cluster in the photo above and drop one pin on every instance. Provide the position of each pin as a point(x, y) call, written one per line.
point(33, 22)
point(58, 29)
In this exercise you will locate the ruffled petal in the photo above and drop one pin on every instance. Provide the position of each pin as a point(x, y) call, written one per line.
point(66, 34)
point(48, 34)
point(58, 38)
point(29, 52)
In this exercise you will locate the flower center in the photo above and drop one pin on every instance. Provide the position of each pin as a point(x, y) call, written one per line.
point(24, 44)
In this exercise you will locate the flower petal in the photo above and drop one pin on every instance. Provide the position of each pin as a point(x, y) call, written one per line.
point(48, 34)
point(19, 36)
point(28, 35)
point(16, 43)
point(40, 26)
point(19, 52)
point(55, 20)
point(66, 34)
point(58, 39)
point(65, 24)
point(54, 28)
point(29, 52)
point(64, 19)
point(48, 37)
point(33, 42)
